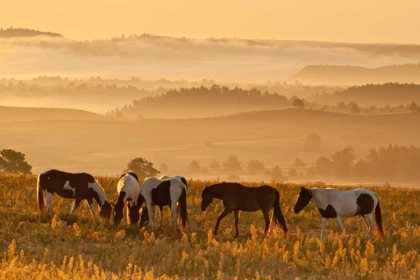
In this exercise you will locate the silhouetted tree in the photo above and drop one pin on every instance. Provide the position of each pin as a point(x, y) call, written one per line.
point(194, 167)
point(323, 166)
point(255, 166)
point(12, 161)
point(298, 163)
point(232, 164)
point(413, 107)
point(276, 173)
point(298, 103)
point(343, 162)
point(142, 167)
point(354, 108)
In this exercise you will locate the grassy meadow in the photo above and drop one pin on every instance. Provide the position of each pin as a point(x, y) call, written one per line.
point(35, 247)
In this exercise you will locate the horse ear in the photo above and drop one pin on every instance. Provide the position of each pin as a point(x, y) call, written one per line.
point(302, 188)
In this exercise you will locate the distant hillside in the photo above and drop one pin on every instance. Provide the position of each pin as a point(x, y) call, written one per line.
point(273, 137)
point(373, 95)
point(24, 32)
point(353, 75)
point(8, 114)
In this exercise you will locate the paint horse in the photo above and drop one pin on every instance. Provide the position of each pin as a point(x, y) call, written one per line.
point(128, 188)
point(334, 204)
point(239, 198)
point(178, 177)
point(159, 192)
point(78, 186)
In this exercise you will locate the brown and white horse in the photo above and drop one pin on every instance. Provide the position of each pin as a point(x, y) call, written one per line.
point(78, 186)
point(128, 188)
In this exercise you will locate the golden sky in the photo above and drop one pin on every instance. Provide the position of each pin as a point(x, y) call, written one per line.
point(385, 21)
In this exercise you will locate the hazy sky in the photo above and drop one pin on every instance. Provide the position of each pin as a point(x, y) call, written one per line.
point(327, 20)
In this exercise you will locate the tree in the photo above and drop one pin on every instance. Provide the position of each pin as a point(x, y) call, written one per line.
point(298, 103)
point(343, 162)
point(163, 168)
point(413, 107)
point(12, 161)
point(214, 165)
point(276, 173)
point(194, 167)
point(142, 168)
point(298, 163)
point(354, 108)
point(323, 166)
point(255, 166)
point(232, 164)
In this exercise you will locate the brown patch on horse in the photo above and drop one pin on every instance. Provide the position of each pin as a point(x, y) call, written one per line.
point(365, 204)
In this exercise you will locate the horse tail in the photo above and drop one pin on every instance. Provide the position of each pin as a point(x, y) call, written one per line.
point(40, 192)
point(278, 218)
point(378, 220)
point(183, 209)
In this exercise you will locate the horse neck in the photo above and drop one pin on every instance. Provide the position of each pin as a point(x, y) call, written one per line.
point(100, 196)
point(217, 191)
point(318, 197)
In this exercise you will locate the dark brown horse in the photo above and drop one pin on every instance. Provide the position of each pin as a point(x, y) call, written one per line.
point(239, 198)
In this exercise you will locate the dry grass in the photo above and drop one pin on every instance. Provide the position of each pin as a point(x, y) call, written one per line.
point(78, 248)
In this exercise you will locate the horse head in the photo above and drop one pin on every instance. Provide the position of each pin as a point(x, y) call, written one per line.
point(106, 210)
point(118, 213)
point(206, 198)
point(303, 199)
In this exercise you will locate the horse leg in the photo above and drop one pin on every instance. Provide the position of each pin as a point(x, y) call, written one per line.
point(91, 207)
point(324, 227)
point(74, 206)
point(224, 214)
point(174, 216)
point(372, 225)
point(48, 197)
point(267, 222)
point(161, 216)
point(339, 222)
point(236, 213)
point(151, 212)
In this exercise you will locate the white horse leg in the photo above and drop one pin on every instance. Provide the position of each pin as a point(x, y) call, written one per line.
point(372, 225)
point(339, 222)
point(48, 197)
point(324, 227)
point(174, 216)
point(161, 216)
point(366, 221)
point(151, 212)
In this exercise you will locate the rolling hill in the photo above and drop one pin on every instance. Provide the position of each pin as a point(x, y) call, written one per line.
point(354, 75)
point(104, 146)
point(13, 114)
point(25, 32)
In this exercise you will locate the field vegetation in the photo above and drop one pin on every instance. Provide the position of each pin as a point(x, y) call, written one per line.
point(35, 247)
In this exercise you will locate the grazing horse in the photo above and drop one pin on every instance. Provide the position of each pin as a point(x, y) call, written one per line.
point(239, 198)
point(78, 186)
point(334, 204)
point(128, 188)
point(159, 192)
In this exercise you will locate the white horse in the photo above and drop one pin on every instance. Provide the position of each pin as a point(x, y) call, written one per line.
point(127, 188)
point(160, 192)
point(334, 204)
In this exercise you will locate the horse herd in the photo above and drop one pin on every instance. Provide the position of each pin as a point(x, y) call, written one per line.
point(172, 192)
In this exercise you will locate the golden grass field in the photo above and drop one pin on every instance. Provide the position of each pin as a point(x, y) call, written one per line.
point(78, 248)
